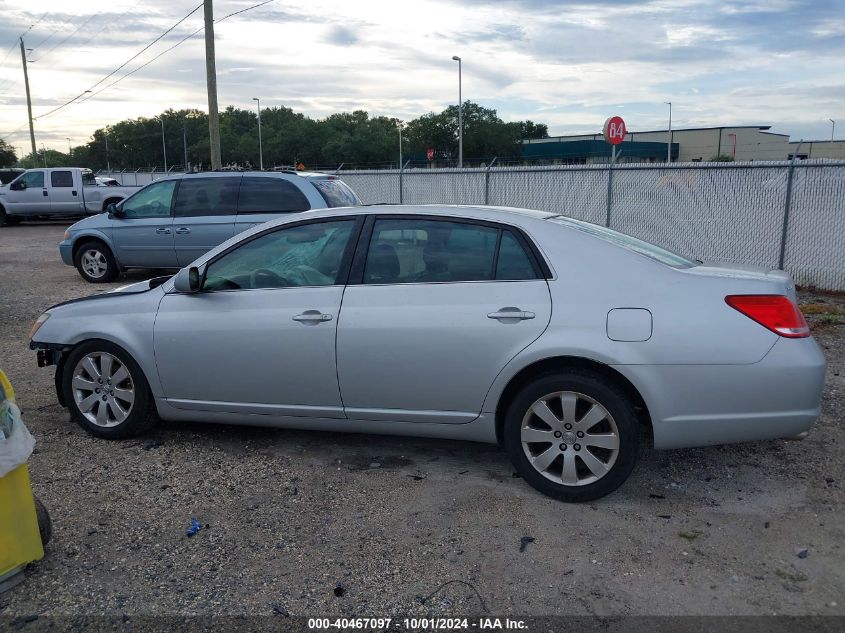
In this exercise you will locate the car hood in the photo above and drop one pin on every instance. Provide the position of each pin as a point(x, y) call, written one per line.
point(99, 221)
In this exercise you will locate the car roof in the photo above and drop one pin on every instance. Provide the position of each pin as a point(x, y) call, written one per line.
point(314, 175)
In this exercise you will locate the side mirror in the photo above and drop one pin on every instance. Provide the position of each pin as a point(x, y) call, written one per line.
point(17, 185)
point(115, 212)
point(187, 280)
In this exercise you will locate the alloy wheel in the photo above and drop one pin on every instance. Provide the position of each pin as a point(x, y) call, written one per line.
point(103, 389)
point(570, 438)
point(94, 263)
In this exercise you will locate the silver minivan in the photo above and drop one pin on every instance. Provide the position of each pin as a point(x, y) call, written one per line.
point(172, 221)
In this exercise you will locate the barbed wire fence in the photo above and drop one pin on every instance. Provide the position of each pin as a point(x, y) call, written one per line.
point(784, 214)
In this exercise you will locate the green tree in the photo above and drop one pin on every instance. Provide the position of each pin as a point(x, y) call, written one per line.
point(8, 157)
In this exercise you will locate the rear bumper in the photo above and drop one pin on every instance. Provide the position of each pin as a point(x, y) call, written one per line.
point(66, 252)
point(700, 405)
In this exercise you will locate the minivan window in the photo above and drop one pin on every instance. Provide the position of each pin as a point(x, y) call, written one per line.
point(426, 251)
point(61, 179)
point(303, 255)
point(270, 195)
point(336, 193)
point(153, 201)
point(207, 196)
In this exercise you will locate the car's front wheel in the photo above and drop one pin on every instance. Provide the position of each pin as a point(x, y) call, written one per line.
point(95, 263)
point(572, 435)
point(106, 391)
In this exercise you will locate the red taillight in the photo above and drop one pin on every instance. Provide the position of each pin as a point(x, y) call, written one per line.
point(775, 312)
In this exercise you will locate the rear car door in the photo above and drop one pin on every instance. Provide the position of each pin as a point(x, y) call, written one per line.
point(204, 214)
point(143, 235)
point(264, 198)
point(65, 197)
point(434, 309)
point(260, 335)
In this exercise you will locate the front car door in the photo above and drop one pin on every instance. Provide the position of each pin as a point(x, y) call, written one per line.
point(33, 199)
point(143, 235)
point(436, 308)
point(260, 336)
point(204, 214)
point(64, 194)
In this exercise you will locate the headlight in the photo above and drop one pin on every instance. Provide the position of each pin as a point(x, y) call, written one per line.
point(38, 323)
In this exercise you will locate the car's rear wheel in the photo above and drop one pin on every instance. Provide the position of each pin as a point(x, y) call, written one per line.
point(95, 263)
point(572, 435)
point(106, 391)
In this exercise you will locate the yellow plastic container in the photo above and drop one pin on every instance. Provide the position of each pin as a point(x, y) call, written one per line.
point(20, 540)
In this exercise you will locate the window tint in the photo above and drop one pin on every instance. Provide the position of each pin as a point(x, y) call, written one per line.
point(61, 179)
point(424, 251)
point(153, 201)
point(33, 179)
point(207, 196)
point(626, 241)
point(305, 255)
point(514, 262)
point(336, 193)
point(270, 195)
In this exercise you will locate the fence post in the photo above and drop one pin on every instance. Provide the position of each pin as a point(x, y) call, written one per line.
point(609, 193)
point(787, 205)
point(487, 182)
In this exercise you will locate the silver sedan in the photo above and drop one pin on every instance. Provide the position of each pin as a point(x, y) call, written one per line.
point(564, 341)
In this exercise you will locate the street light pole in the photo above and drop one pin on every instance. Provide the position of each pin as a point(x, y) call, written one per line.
point(399, 125)
point(460, 117)
point(163, 146)
point(260, 148)
point(69, 150)
point(669, 144)
point(832, 128)
point(108, 164)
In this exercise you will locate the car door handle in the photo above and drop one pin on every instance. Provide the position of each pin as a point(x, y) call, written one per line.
point(182, 230)
point(312, 316)
point(73, 192)
point(163, 230)
point(511, 313)
point(45, 193)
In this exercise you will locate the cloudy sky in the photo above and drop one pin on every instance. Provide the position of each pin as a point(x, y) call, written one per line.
point(568, 64)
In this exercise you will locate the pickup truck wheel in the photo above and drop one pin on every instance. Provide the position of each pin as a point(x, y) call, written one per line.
point(95, 263)
point(6, 219)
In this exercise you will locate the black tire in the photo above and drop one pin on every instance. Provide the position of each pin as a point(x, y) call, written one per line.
point(45, 524)
point(13, 220)
point(141, 415)
point(102, 253)
point(592, 388)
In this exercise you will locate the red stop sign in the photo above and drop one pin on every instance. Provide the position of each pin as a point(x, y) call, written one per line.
point(614, 130)
point(430, 153)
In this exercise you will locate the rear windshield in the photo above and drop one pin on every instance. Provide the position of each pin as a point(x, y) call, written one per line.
point(626, 241)
point(336, 193)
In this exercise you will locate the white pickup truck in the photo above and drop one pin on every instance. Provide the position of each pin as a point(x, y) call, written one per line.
point(58, 191)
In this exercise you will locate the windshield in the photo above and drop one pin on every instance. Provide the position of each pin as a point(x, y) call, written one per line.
point(626, 241)
point(337, 193)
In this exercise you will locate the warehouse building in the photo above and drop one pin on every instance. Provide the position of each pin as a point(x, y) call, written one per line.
point(740, 142)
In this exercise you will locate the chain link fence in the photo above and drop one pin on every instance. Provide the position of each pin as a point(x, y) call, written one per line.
point(775, 214)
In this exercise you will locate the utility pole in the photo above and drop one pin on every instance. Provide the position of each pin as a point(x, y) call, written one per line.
point(211, 83)
point(832, 128)
point(185, 141)
point(460, 117)
point(28, 99)
point(69, 149)
point(400, 144)
point(260, 148)
point(108, 164)
point(163, 145)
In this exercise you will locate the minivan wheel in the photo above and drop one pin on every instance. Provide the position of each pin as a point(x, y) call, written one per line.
point(95, 263)
point(572, 435)
point(106, 391)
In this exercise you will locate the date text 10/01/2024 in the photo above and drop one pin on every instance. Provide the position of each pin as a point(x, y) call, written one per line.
point(417, 624)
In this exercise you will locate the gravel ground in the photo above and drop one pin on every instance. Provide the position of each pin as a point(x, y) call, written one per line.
point(293, 519)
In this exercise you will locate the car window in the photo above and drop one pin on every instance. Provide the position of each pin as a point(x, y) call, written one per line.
point(61, 179)
point(207, 196)
point(626, 241)
point(513, 262)
point(270, 195)
point(304, 255)
point(153, 201)
point(33, 179)
point(336, 193)
point(425, 251)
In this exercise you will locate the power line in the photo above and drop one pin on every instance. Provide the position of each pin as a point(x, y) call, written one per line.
point(167, 50)
point(123, 65)
point(74, 32)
